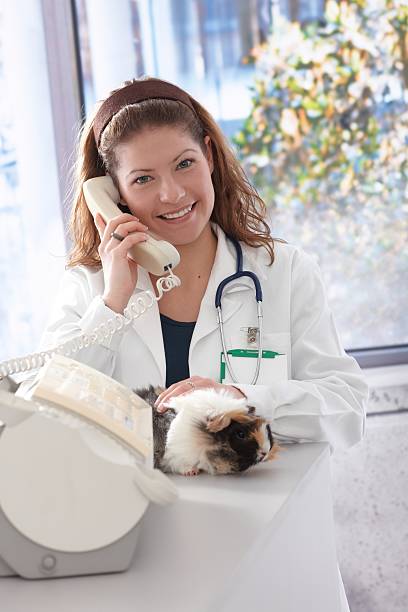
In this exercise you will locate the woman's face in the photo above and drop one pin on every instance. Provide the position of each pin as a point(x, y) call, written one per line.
point(165, 179)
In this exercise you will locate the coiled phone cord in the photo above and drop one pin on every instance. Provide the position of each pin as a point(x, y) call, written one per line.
point(103, 332)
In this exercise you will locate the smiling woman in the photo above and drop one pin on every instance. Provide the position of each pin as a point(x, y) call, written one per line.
point(175, 196)
point(178, 178)
point(165, 153)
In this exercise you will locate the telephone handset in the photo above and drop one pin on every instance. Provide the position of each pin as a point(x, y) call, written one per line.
point(155, 255)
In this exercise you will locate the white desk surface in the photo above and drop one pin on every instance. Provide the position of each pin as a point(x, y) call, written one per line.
point(264, 537)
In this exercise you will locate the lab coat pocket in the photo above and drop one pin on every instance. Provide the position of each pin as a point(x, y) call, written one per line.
point(278, 342)
point(275, 363)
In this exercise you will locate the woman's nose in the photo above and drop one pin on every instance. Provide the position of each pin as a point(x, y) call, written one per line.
point(171, 191)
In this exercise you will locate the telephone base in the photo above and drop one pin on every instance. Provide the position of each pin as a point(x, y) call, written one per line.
point(71, 497)
point(31, 560)
point(5, 570)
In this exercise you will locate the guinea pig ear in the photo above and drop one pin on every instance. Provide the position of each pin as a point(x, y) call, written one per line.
point(221, 421)
point(251, 409)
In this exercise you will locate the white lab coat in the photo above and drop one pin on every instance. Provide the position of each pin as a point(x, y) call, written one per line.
point(324, 395)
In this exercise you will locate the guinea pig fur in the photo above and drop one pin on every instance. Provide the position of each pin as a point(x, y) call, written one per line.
point(212, 431)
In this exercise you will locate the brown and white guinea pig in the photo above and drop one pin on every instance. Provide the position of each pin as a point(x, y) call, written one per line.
point(210, 431)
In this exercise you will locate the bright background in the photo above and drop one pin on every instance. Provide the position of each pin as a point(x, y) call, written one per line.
point(318, 117)
point(316, 107)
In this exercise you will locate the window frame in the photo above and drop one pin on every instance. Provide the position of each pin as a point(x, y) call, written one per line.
point(67, 101)
point(375, 357)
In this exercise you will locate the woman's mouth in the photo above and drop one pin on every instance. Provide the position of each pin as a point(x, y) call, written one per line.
point(179, 215)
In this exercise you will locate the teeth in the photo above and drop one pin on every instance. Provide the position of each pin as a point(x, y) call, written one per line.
point(181, 213)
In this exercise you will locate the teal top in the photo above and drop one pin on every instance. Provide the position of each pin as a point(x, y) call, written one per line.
point(176, 338)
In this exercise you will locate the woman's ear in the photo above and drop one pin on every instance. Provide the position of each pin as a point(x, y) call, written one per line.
point(208, 153)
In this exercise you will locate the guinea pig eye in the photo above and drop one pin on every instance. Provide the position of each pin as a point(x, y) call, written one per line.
point(240, 434)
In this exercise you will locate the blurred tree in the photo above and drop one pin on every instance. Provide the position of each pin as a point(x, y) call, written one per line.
point(325, 143)
point(328, 126)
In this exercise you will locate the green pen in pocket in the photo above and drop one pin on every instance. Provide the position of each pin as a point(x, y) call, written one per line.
point(236, 354)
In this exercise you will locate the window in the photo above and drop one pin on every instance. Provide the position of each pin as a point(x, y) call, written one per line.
point(32, 244)
point(325, 143)
point(201, 45)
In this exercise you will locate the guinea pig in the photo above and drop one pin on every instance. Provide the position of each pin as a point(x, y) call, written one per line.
point(210, 431)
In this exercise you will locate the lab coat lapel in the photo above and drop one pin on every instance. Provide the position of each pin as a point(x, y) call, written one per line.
point(224, 265)
point(148, 325)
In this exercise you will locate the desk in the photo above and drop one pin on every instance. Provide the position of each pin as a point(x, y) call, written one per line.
point(262, 540)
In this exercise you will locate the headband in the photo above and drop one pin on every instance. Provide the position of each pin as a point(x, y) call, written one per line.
point(131, 94)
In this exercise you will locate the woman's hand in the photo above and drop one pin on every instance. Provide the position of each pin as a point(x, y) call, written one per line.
point(189, 385)
point(119, 271)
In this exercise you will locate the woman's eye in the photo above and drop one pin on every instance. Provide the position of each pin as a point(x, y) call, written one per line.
point(186, 163)
point(141, 180)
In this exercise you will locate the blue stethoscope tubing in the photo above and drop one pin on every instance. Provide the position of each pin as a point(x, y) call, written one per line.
point(258, 294)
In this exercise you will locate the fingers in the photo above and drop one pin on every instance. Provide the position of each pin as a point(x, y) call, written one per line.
point(184, 386)
point(191, 384)
point(123, 225)
point(181, 388)
point(118, 249)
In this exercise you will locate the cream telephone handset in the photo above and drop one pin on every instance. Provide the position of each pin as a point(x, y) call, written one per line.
point(155, 255)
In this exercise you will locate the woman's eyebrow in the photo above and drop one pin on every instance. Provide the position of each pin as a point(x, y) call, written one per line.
point(151, 169)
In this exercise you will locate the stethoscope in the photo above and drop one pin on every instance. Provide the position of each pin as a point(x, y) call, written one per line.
point(258, 292)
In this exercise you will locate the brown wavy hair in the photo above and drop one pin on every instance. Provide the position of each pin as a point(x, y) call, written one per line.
point(238, 209)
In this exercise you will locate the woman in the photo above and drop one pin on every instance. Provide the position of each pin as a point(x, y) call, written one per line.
point(178, 178)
